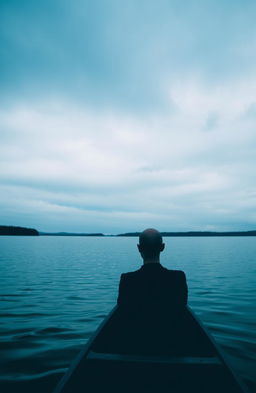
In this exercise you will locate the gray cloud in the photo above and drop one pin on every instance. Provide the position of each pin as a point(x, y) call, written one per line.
point(107, 53)
point(118, 117)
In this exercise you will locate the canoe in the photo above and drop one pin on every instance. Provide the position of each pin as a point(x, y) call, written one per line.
point(190, 361)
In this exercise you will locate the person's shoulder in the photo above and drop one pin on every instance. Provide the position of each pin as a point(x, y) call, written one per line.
point(176, 273)
point(130, 275)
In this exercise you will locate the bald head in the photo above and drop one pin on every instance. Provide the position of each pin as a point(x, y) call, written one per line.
point(150, 244)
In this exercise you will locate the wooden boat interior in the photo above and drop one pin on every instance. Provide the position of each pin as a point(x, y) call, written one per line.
point(122, 358)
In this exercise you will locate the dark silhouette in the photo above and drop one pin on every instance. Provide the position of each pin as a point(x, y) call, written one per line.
point(152, 299)
point(152, 286)
point(17, 231)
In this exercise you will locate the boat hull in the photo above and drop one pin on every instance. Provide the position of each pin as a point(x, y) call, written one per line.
point(192, 362)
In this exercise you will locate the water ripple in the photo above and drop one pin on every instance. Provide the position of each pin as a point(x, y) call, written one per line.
point(71, 284)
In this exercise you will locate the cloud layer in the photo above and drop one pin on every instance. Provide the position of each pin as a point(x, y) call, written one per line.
point(117, 119)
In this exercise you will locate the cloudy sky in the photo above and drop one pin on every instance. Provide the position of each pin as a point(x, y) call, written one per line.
point(119, 115)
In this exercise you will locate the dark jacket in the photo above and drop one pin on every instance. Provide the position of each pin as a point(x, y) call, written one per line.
point(151, 303)
point(152, 288)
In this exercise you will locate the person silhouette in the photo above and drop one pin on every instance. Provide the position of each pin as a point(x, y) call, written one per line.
point(152, 285)
point(152, 299)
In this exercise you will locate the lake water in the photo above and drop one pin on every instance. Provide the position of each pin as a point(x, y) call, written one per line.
point(54, 291)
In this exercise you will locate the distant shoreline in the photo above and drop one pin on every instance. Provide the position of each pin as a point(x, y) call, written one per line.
point(21, 231)
point(69, 234)
point(196, 234)
point(6, 230)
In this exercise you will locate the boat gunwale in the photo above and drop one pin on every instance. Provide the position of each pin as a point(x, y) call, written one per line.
point(83, 352)
point(220, 353)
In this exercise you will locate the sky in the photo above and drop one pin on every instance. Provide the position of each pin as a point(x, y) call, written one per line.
point(116, 116)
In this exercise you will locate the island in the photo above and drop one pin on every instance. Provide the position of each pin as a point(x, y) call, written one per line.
point(6, 230)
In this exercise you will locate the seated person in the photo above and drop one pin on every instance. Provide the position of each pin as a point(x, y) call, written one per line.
point(151, 300)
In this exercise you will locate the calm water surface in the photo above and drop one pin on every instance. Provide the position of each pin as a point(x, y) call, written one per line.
point(54, 291)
